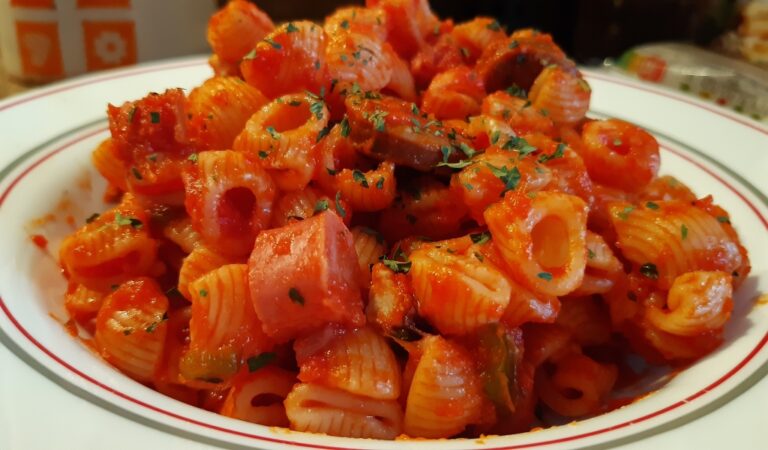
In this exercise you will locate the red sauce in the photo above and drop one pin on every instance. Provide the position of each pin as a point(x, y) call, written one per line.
point(71, 328)
point(40, 241)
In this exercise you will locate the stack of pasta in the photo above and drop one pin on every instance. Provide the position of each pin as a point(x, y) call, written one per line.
point(389, 224)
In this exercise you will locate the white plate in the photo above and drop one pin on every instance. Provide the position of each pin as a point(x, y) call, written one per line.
point(46, 137)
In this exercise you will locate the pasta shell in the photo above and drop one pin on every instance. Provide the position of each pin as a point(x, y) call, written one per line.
point(229, 198)
point(258, 397)
point(445, 391)
point(182, 233)
point(578, 386)
point(357, 361)
point(698, 302)
point(319, 409)
point(113, 248)
point(131, 328)
point(542, 239)
point(456, 293)
point(219, 109)
point(672, 239)
point(562, 94)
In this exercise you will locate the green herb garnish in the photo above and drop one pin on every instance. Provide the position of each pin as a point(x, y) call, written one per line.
point(296, 296)
point(257, 362)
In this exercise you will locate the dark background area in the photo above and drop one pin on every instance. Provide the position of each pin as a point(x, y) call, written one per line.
point(588, 30)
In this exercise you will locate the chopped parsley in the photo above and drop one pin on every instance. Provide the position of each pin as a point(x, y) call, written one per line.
point(380, 183)
point(296, 296)
point(316, 108)
point(291, 28)
point(203, 293)
point(192, 157)
point(263, 154)
point(295, 103)
point(494, 26)
point(545, 276)
point(275, 45)
point(457, 165)
point(624, 213)
point(469, 151)
point(446, 151)
point(397, 266)
point(321, 205)
point(479, 256)
point(92, 217)
point(617, 142)
point(590, 254)
point(514, 44)
point(154, 117)
point(257, 362)
point(359, 178)
point(345, 24)
point(273, 133)
point(559, 151)
point(651, 205)
point(683, 231)
point(480, 238)
point(649, 270)
point(377, 119)
point(723, 219)
point(344, 127)
point(517, 91)
point(323, 133)
point(250, 55)
point(495, 136)
point(510, 177)
point(153, 326)
point(122, 221)
point(339, 207)
point(521, 145)
point(318, 104)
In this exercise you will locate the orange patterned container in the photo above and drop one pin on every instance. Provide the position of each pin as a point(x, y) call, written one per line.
point(45, 40)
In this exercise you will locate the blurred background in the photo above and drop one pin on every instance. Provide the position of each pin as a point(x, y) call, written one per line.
point(588, 30)
point(716, 49)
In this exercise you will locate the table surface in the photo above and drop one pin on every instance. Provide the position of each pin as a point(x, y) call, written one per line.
point(8, 85)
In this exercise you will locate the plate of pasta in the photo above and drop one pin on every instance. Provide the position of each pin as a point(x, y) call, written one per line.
point(385, 226)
